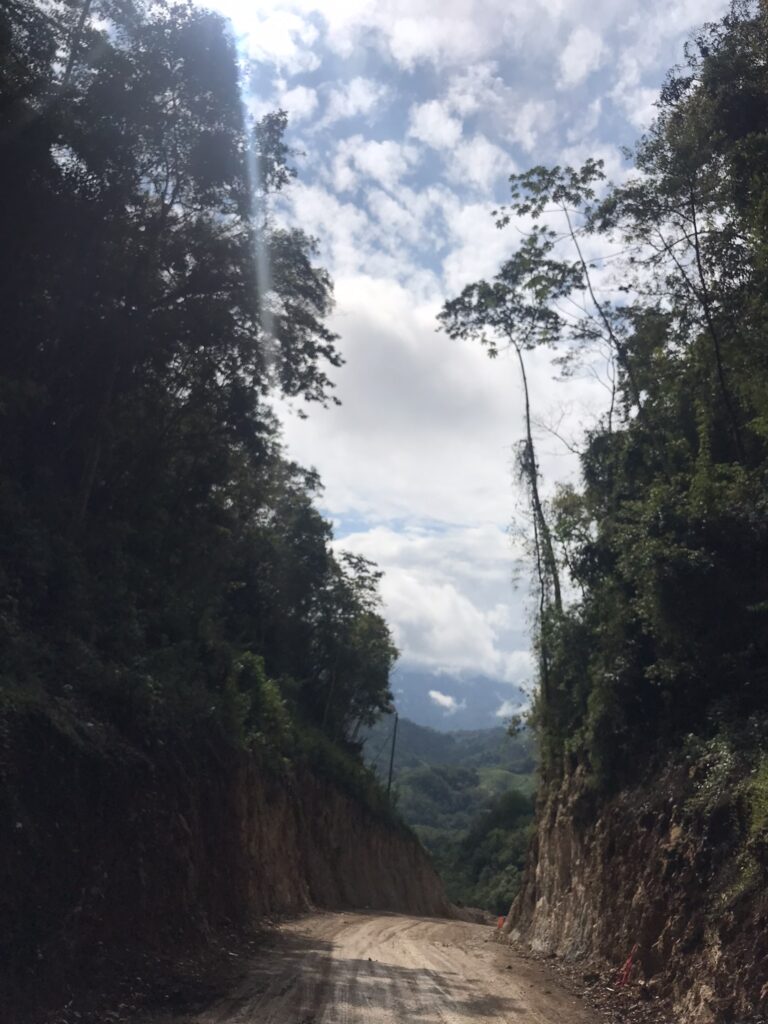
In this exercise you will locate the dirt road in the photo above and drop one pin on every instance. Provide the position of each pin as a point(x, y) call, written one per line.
point(390, 969)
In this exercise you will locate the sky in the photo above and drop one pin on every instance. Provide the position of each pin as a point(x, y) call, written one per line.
point(406, 118)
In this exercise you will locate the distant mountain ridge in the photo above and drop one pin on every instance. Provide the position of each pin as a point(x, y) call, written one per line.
point(478, 701)
point(472, 748)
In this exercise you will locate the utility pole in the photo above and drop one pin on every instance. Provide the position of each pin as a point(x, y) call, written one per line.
point(392, 757)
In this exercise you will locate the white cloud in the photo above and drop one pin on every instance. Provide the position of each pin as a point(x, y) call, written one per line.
point(280, 36)
point(437, 625)
point(431, 123)
point(582, 128)
point(582, 55)
point(465, 32)
point(385, 162)
point(448, 596)
point(342, 226)
point(416, 32)
point(520, 666)
point(343, 176)
point(408, 217)
point(416, 405)
point(449, 704)
point(508, 708)
point(484, 554)
point(300, 102)
point(651, 41)
point(528, 122)
point(359, 96)
point(474, 89)
point(635, 100)
point(479, 162)
point(477, 247)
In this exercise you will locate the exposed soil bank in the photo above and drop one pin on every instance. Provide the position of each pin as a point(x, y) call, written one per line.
point(661, 866)
point(106, 846)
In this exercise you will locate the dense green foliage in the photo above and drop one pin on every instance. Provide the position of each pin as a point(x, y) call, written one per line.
point(162, 565)
point(484, 868)
point(665, 544)
point(469, 797)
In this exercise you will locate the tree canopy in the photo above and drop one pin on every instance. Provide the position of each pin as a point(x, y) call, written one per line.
point(161, 561)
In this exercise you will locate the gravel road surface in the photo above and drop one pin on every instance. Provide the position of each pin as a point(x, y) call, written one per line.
point(390, 969)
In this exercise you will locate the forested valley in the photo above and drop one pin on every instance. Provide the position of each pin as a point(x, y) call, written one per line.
point(469, 796)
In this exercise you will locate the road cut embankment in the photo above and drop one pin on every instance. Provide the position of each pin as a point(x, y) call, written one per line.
point(105, 846)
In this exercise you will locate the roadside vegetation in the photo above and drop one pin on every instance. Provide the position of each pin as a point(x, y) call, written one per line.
point(165, 575)
point(651, 574)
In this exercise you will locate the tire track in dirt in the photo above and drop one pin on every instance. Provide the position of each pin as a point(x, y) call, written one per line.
point(391, 969)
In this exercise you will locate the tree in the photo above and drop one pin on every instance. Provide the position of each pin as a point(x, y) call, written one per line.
point(517, 310)
point(665, 540)
point(155, 543)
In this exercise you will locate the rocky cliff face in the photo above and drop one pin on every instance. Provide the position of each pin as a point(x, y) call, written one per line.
point(103, 846)
point(662, 866)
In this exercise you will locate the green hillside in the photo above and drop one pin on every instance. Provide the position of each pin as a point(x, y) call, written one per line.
point(469, 796)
